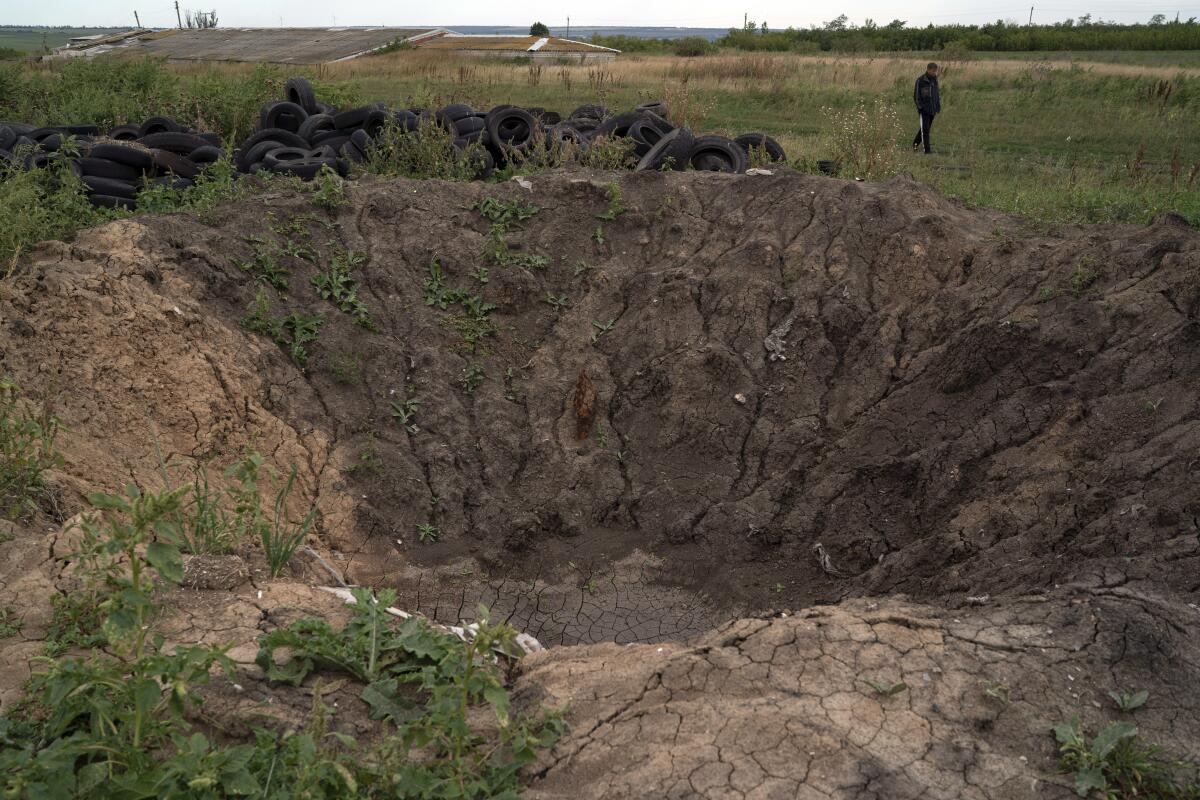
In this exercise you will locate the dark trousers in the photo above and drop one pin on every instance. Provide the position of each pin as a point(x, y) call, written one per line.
point(922, 137)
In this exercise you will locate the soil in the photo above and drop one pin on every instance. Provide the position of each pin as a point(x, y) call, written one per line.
point(936, 431)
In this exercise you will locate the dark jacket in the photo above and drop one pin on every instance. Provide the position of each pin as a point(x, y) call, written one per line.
point(925, 95)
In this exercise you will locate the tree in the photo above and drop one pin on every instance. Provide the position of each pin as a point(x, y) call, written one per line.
point(538, 29)
point(1158, 19)
point(838, 24)
point(201, 19)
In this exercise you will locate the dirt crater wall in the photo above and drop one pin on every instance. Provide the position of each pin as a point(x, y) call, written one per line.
point(951, 403)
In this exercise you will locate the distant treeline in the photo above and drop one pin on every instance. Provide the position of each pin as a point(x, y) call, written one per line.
point(1082, 34)
point(842, 36)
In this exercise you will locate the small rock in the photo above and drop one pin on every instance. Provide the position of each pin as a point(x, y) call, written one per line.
point(740, 398)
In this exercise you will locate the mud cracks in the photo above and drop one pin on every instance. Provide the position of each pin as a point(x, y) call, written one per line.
point(954, 405)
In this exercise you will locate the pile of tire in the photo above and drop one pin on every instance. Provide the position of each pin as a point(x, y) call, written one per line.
point(300, 136)
point(117, 164)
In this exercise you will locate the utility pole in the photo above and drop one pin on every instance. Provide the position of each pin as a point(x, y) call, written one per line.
point(178, 18)
point(569, 25)
point(137, 20)
point(1031, 15)
point(745, 19)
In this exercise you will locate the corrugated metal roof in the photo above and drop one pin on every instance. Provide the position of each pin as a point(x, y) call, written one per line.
point(273, 45)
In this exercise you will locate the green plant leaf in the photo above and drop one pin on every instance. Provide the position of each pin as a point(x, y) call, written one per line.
point(1110, 737)
point(1069, 733)
point(166, 559)
point(1090, 780)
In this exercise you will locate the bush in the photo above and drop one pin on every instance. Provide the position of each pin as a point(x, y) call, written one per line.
point(691, 46)
point(863, 140)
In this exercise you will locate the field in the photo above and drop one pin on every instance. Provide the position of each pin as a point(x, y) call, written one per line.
point(39, 40)
point(655, 483)
point(1053, 141)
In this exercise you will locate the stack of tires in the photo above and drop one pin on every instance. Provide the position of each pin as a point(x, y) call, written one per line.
point(300, 136)
point(117, 164)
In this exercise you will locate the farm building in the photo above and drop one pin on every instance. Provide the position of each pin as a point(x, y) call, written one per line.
point(537, 47)
point(321, 45)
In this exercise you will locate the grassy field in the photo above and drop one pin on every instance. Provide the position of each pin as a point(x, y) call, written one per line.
point(1054, 141)
point(37, 40)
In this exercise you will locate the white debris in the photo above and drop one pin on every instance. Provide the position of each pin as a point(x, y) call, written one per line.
point(526, 642)
point(759, 171)
point(740, 398)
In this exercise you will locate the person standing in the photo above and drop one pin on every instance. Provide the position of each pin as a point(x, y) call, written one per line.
point(929, 104)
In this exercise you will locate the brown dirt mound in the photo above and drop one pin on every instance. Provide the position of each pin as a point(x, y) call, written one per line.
point(744, 392)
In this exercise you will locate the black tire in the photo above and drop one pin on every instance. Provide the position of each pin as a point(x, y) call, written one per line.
point(282, 114)
point(617, 126)
point(316, 123)
point(589, 112)
point(159, 125)
point(284, 139)
point(351, 152)
point(19, 128)
point(255, 155)
point(172, 182)
point(107, 168)
point(212, 138)
point(305, 169)
point(544, 117)
point(353, 118)
point(468, 125)
point(136, 157)
point(202, 156)
point(479, 159)
point(673, 150)
point(406, 120)
point(81, 130)
point(37, 161)
point(325, 108)
point(110, 186)
point(454, 112)
point(299, 91)
point(334, 139)
point(166, 161)
point(7, 137)
point(761, 140)
point(178, 143)
point(512, 127)
point(125, 133)
point(362, 141)
point(375, 122)
point(717, 154)
point(656, 107)
point(42, 134)
point(565, 135)
point(109, 201)
point(475, 137)
point(281, 155)
point(658, 121)
point(645, 132)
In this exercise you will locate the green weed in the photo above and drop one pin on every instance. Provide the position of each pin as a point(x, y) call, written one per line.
point(472, 377)
point(615, 207)
point(1130, 702)
point(10, 623)
point(427, 532)
point(505, 215)
point(559, 302)
point(27, 434)
point(1117, 764)
point(278, 536)
point(886, 688)
point(404, 413)
point(344, 368)
point(264, 266)
point(336, 285)
point(328, 190)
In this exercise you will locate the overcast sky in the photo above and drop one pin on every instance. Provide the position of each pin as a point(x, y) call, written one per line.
point(686, 13)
